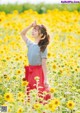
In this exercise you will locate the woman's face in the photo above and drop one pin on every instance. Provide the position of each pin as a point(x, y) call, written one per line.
point(35, 32)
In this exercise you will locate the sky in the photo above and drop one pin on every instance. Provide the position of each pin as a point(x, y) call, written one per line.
point(28, 1)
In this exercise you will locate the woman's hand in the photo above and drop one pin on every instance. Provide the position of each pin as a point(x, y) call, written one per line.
point(46, 83)
point(34, 24)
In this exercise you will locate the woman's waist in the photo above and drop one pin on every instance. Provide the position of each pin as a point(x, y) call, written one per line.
point(30, 65)
point(35, 65)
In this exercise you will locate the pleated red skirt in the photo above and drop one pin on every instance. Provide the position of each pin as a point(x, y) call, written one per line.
point(30, 73)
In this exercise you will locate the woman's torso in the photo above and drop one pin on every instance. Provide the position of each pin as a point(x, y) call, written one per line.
point(34, 54)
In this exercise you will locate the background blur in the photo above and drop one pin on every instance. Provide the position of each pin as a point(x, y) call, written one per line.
point(41, 6)
point(29, 1)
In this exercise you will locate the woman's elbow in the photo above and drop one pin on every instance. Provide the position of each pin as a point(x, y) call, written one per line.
point(21, 33)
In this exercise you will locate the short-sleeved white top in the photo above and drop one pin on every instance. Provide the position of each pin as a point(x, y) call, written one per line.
point(34, 54)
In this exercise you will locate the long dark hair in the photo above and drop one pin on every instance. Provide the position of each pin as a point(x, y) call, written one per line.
point(45, 38)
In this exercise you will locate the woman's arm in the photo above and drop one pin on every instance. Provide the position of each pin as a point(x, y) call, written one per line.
point(23, 32)
point(44, 70)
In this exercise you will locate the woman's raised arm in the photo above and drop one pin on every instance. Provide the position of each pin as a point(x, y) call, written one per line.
point(23, 32)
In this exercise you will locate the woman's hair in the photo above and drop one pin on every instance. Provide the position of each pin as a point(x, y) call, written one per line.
point(45, 38)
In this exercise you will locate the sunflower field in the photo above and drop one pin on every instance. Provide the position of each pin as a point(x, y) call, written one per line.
point(63, 62)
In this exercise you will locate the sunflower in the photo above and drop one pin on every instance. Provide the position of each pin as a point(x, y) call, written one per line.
point(8, 97)
point(20, 110)
point(24, 83)
point(37, 106)
point(70, 104)
point(52, 90)
point(54, 66)
point(20, 95)
point(55, 102)
point(18, 72)
point(51, 107)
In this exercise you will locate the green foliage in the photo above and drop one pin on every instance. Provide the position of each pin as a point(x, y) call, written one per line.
point(40, 8)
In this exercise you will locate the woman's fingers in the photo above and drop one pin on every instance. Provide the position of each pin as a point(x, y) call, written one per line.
point(34, 23)
point(47, 85)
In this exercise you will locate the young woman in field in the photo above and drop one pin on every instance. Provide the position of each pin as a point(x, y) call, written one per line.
point(37, 56)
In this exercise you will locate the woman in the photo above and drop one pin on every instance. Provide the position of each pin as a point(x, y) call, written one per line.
point(37, 56)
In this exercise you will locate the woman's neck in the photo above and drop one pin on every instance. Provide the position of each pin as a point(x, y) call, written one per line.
point(37, 40)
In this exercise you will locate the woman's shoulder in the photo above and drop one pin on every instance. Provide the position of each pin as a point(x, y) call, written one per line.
point(29, 42)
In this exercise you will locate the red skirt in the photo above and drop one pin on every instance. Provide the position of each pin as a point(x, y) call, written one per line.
point(30, 73)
